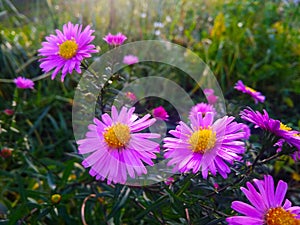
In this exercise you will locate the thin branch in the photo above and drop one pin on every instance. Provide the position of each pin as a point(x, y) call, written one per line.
point(41, 163)
point(256, 160)
point(150, 213)
point(25, 218)
point(187, 215)
point(33, 79)
point(214, 210)
point(269, 159)
point(83, 207)
point(226, 186)
point(42, 76)
point(248, 172)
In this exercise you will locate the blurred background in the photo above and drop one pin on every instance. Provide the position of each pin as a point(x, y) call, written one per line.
point(256, 41)
point(250, 40)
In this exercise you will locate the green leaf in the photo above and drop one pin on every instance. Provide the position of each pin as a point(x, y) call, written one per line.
point(31, 165)
point(67, 172)
point(289, 102)
point(156, 205)
point(50, 181)
point(44, 212)
point(122, 198)
point(39, 119)
point(17, 214)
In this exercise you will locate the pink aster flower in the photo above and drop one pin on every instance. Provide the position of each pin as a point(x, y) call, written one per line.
point(205, 145)
point(263, 121)
point(296, 155)
point(202, 108)
point(279, 145)
point(9, 112)
point(115, 40)
point(216, 186)
point(160, 113)
point(130, 59)
point(23, 83)
point(116, 147)
point(257, 96)
point(247, 131)
point(211, 97)
point(267, 205)
point(65, 50)
point(131, 96)
point(169, 181)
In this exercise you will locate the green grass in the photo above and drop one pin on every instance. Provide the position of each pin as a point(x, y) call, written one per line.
point(255, 41)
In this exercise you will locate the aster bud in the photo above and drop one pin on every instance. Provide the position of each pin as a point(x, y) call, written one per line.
point(5, 153)
point(55, 199)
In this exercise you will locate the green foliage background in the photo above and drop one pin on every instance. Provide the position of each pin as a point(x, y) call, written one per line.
point(255, 41)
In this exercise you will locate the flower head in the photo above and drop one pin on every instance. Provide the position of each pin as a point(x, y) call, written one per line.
point(5, 153)
point(131, 96)
point(9, 112)
point(116, 147)
point(211, 97)
point(205, 145)
point(115, 40)
point(263, 121)
point(65, 50)
point(267, 205)
point(202, 108)
point(160, 113)
point(169, 181)
point(247, 131)
point(257, 96)
point(216, 186)
point(23, 83)
point(130, 59)
point(55, 199)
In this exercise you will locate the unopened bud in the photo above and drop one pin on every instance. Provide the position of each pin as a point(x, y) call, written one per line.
point(55, 199)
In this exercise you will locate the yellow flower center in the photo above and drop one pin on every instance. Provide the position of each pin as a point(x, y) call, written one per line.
point(117, 136)
point(68, 49)
point(284, 127)
point(279, 216)
point(250, 89)
point(202, 140)
point(55, 199)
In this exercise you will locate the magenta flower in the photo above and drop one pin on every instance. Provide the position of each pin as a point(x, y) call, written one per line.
point(216, 186)
point(263, 121)
point(169, 181)
point(257, 96)
point(160, 113)
point(5, 153)
point(211, 97)
point(296, 155)
point(130, 59)
point(247, 131)
point(202, 108)
point(205, 145)
point(23, 83)
point(65, 50)
point(116, 147)
point(9, 112)
point(267, 205)
point(115, 40)
point(131, 96)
